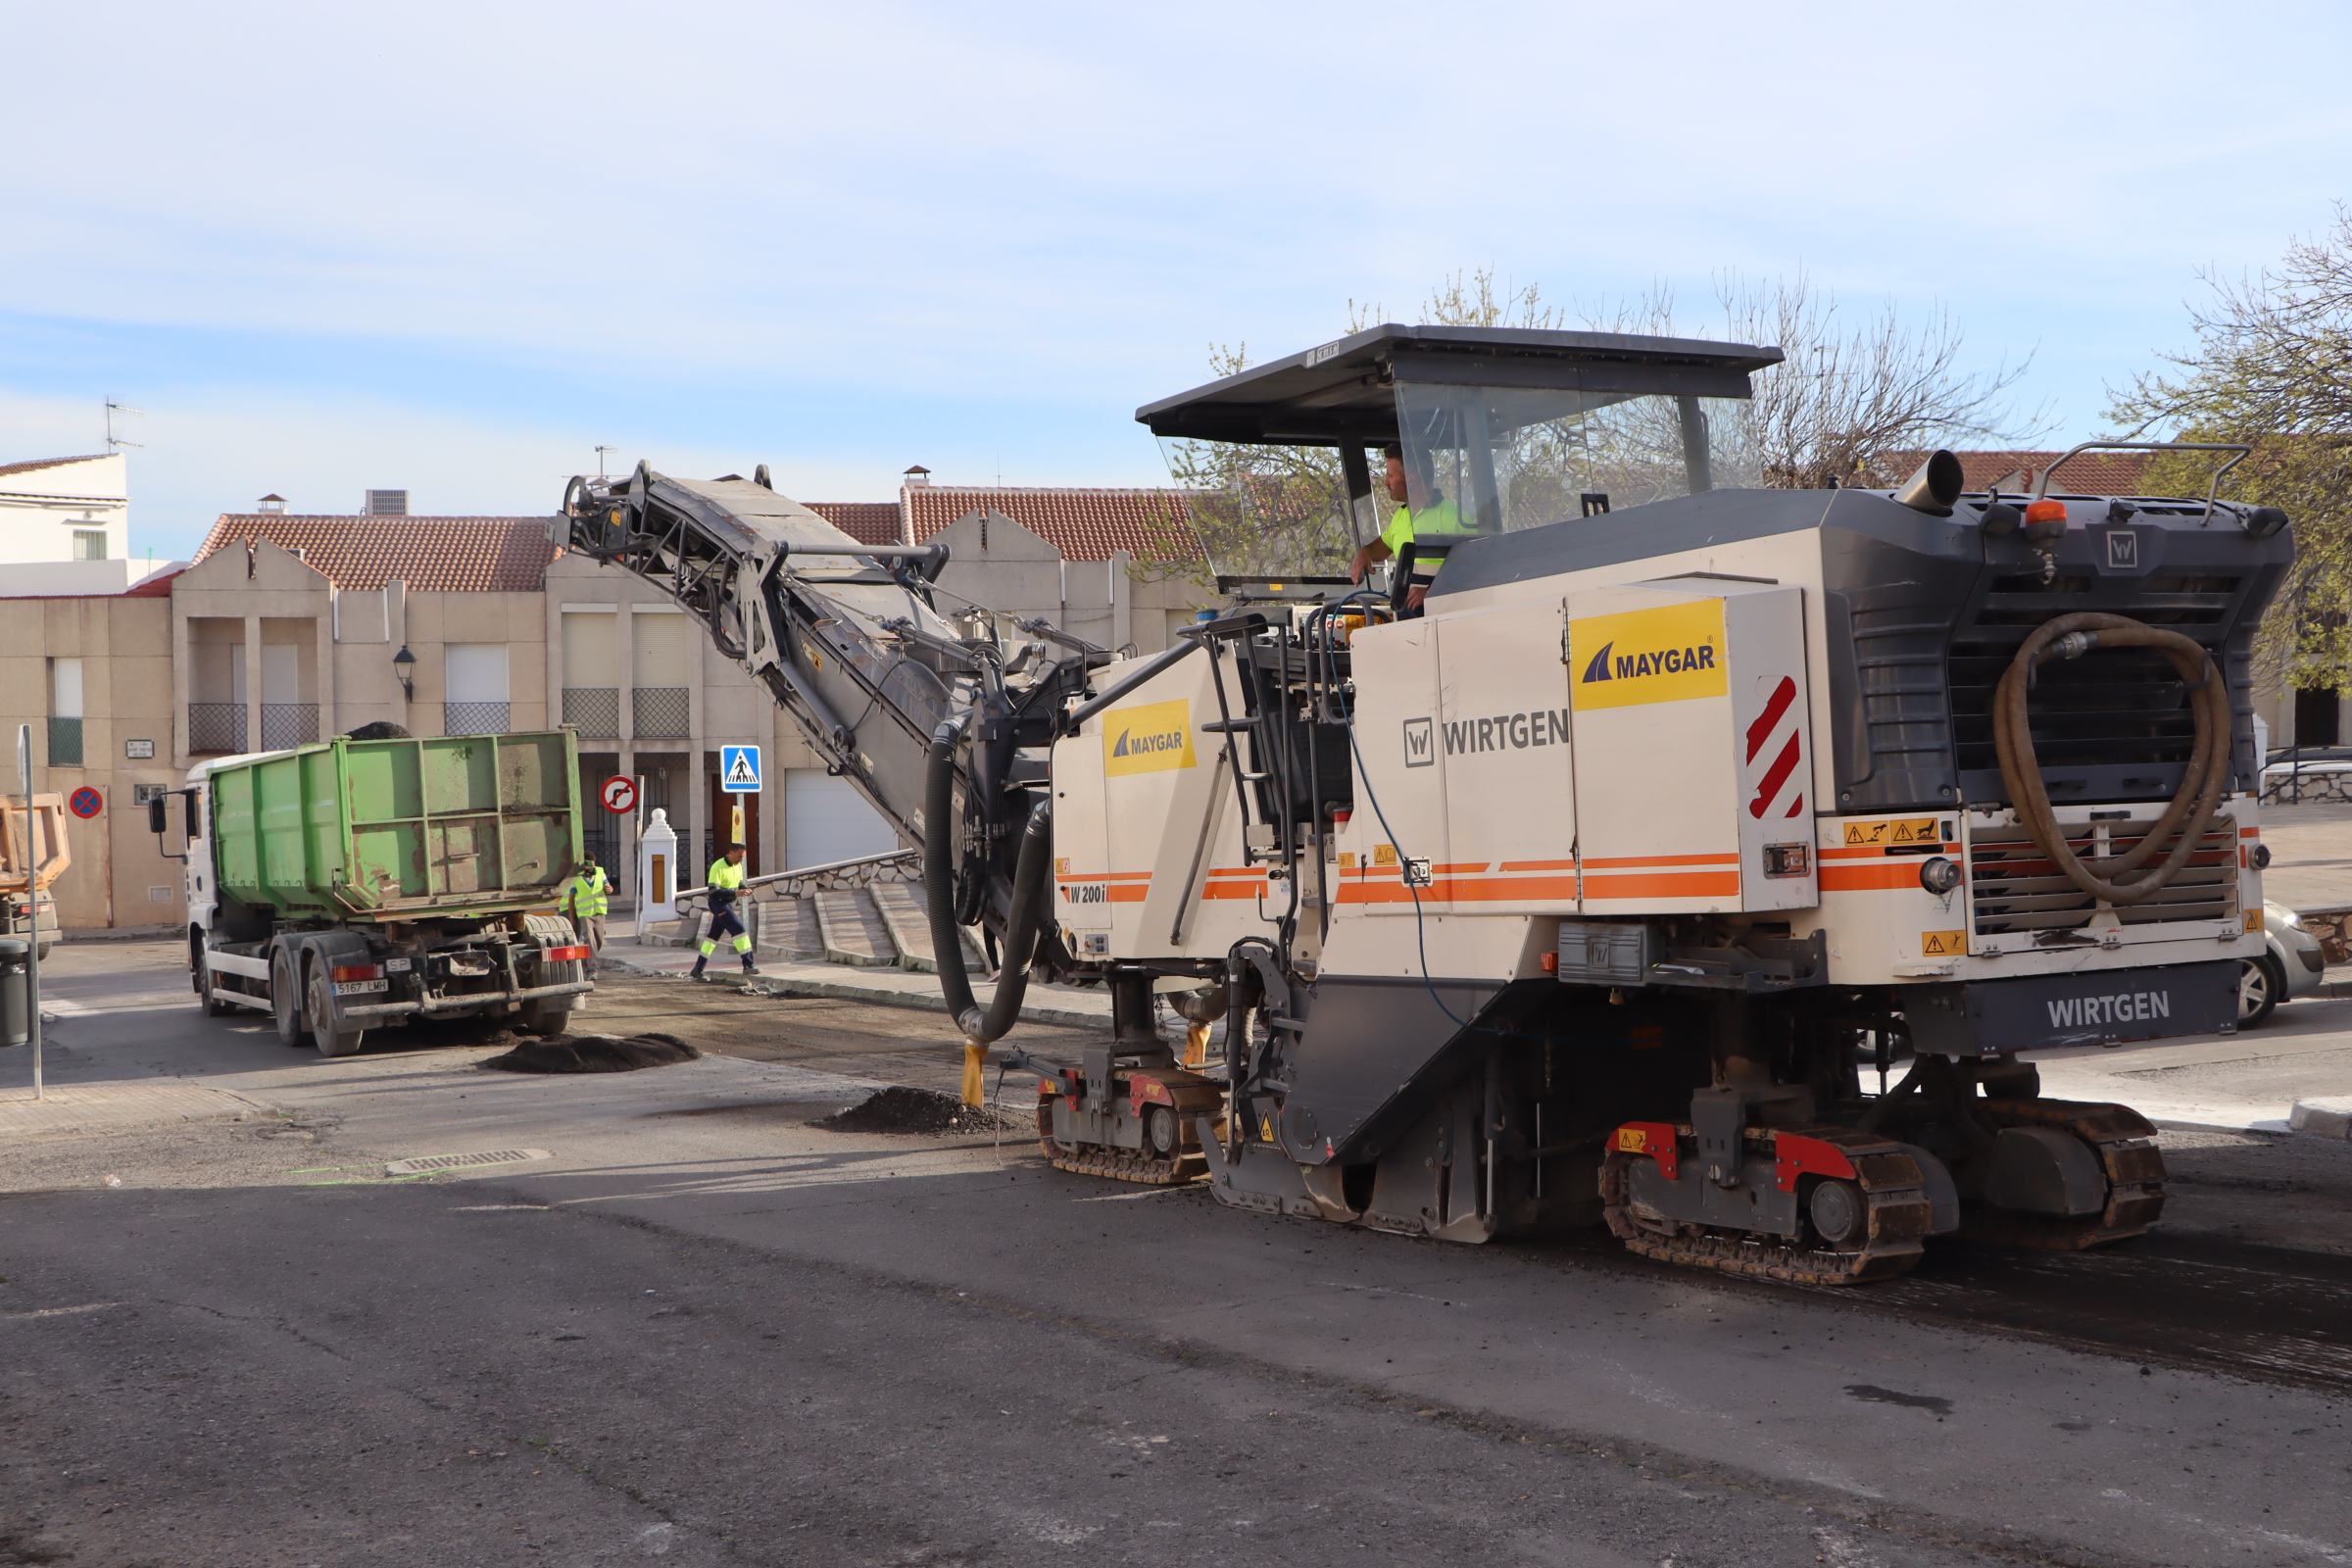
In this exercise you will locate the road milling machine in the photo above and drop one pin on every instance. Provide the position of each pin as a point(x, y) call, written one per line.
point(1702, 859)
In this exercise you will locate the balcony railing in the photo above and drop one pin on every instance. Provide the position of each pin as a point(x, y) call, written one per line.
point(65, 742)
point(474, 718)
point(286, 724)
point(594, 710)
point(662, 713)
point(216, 727)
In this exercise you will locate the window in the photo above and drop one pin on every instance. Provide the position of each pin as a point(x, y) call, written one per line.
point(474, 700)
point(65, 713)
point(89, 544)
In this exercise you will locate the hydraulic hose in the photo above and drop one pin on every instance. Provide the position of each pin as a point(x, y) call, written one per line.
point(2118, 880)
point(1030, 905)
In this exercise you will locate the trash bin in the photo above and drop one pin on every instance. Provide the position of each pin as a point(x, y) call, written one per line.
point(15, 994)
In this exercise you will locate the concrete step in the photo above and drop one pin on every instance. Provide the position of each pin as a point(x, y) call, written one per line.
point(853, 928)
point(787, 929)
point(902, 907)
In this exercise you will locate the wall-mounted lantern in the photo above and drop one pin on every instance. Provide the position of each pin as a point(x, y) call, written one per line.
point(404, 664)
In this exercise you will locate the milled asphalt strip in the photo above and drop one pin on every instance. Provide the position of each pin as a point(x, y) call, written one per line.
point(1651, 1461)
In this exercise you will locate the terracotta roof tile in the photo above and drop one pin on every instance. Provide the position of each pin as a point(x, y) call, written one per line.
point(1083, 525)
point(46, 463)
point(2094, 474)
point(432, 554)
point(870, 523)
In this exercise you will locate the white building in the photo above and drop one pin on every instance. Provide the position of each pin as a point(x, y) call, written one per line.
point(65, 509)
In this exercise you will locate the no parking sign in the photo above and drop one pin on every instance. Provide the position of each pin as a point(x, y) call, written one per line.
point(86, 803)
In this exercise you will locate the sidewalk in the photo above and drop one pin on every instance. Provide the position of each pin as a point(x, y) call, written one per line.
point(1070, 1006)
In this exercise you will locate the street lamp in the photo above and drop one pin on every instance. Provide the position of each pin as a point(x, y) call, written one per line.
point(403, 665)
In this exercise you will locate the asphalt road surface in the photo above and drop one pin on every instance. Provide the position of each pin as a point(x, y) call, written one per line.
point(692, 1327)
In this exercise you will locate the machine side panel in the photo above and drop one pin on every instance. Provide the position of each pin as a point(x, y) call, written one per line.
point(1656, 772)
point(1500, 733)
point(1398, 778)
point(1082, 866)
point(1772, 734)
point(1202, 892)
point(1129, 764)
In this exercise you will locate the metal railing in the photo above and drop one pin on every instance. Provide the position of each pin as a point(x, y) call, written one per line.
point(285, 724)
point(662, 712)
point(593, 711)
point(216, 727)
point(65, 742)
point(475, 718)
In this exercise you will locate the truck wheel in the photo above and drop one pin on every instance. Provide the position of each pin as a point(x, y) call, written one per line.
point(285, 998)
point(323, 1020)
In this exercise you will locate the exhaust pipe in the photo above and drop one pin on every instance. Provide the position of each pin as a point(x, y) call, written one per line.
point(1935, 487)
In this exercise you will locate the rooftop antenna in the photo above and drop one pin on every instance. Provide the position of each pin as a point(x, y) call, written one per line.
point(600, 459)
point(112, 440)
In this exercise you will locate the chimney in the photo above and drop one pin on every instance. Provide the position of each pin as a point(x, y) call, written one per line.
point(271, 504)
point(918, 474)
point(387, 504)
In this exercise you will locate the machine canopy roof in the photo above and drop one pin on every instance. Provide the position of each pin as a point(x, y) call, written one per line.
point(1344, 391)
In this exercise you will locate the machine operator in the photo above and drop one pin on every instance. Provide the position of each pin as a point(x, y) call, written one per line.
point(724, 880)
point(1438, 523)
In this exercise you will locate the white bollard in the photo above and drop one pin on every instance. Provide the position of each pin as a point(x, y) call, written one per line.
point(656, 872)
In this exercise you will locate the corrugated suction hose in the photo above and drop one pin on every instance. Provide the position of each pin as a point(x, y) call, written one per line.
point(2119, 880)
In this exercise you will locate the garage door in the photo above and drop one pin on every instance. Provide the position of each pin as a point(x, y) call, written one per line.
point(826, 820)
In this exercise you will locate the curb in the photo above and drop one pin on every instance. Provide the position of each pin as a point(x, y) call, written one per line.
point(2329, 1118)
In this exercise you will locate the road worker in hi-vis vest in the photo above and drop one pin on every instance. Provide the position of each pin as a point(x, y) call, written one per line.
point(724, 880)
point(1419, 537)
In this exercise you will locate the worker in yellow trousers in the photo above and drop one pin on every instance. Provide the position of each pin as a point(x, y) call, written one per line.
point(726, 880)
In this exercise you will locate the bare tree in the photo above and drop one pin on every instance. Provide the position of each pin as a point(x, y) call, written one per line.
point(1855, 393)
point(2272, 367)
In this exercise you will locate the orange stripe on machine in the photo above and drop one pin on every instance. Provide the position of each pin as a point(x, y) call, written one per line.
point(1878, 875)
point(1664, 885)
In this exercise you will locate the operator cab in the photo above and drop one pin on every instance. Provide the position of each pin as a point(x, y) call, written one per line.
point(1499, 428)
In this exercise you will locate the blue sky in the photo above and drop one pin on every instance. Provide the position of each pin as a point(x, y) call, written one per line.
point(455, 248)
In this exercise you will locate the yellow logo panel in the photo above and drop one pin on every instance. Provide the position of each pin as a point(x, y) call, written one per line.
point(1650, 656)
point(1150, 739)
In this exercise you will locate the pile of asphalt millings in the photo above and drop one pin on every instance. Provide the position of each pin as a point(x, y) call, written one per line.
point(901, 1109)
point(589, 1053)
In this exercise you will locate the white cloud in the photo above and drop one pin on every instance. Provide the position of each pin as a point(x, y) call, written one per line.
point(1069, 202)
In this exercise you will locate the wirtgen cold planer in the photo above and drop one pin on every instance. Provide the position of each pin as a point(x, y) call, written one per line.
point(1700, 860)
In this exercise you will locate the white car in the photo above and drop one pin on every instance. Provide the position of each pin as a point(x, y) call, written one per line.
point(2289, 967)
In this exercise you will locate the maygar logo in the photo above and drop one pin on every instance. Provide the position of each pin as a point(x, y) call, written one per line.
point(1150, 739)
point(1651, 655)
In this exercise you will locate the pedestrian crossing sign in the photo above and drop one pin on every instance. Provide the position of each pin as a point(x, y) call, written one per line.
point(738, 770)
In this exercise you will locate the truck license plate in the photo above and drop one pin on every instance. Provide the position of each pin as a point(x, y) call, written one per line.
point(358, 988)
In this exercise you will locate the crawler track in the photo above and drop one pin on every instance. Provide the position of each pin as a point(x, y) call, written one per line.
point(1899, 1216)
point(1120, 1164)
point(2126, 1144)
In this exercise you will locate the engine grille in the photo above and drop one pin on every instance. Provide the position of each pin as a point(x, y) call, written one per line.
point(2013, 887)
point(2120, 710)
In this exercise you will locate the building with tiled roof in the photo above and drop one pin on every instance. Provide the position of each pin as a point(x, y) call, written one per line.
point(2092, 474)
point(870, 523)
point(431, 555)
point(1082, 524)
